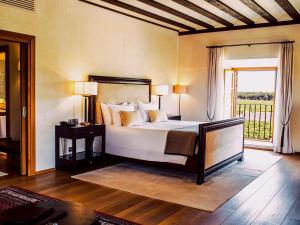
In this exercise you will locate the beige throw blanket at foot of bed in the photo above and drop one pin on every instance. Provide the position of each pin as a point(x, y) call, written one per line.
point(181, 143)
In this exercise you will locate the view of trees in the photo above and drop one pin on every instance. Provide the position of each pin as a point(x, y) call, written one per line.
point(259, 96)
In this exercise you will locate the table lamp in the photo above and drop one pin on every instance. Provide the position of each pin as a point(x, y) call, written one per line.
point(179, 89)
point(86, 89)
point(160, 90)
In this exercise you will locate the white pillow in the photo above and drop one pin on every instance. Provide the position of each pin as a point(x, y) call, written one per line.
point(106, 112)
point(107, 119)
point(115, 112)
point(157, 116)
point(145, 107)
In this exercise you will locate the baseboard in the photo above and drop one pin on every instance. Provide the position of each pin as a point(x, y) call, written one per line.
point(44, 171)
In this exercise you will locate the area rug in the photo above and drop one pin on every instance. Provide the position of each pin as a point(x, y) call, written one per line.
point(13, 196)
point(2, 174)
point(179, 187)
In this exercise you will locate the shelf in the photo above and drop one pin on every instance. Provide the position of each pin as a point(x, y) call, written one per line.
point(80, 156)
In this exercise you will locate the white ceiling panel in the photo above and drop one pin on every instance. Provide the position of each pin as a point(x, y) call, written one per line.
point(135, 14)
point(296, 4)
point(244, 10)
point(190, 12)
point(274, 9)
point(271, 6)
point(160, 13)
point(205, 5)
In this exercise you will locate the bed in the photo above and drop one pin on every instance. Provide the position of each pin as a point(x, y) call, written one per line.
point(217, 143)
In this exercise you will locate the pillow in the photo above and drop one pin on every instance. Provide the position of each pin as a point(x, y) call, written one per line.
point(145, 107)
point(131, 118)
point(115, 112)
point(107, 112)
point(157, 116)
point(107, 119)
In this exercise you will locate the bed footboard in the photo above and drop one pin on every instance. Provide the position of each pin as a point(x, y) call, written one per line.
point(220, 143)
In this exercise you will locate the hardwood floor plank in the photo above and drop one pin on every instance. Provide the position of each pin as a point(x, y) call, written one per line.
point(289, 221)
point(155, 216)
point(241, 197)
point(294, 212)
point(138, 210)
point(249, 210)
point(215, 218)
point(184, 215)
point(280, 205)
point(123, 204)
point(272, 198)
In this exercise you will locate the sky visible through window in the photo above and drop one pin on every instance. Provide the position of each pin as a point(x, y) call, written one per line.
point(256, 81)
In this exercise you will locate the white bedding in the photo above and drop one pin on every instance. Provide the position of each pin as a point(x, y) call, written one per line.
point(145, 142)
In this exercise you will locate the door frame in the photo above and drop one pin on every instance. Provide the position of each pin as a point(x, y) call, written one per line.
point(27, 46)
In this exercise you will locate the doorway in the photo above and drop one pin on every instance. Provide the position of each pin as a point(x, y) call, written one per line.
point(250, 93)
point(10, 107)
point(22, 112)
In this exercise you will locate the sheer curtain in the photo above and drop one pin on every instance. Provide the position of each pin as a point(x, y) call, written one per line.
point(282, 132)
point(215, 100)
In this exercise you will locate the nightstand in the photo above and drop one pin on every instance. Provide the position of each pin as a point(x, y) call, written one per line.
point(78, 159)
point(174, 117)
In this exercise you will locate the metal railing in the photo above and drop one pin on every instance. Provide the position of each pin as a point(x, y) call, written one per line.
point(258, 121)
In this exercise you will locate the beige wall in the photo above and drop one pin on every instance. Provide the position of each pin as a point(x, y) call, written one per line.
point(193, 63)
point(73, 40)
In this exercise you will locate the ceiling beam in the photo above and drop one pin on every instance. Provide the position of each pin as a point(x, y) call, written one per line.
point(203, 12)
point(174, 12)
point(227, 9)
point(259, 10)
point(289, 9)
point(242, 27)
point(125, 14)
point(146, 13)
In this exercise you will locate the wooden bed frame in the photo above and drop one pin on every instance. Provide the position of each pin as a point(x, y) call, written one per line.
point(195, 164)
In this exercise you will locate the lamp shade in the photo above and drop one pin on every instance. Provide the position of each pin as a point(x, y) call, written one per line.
point(179, 89)
point(86, 88)
point(161, 90)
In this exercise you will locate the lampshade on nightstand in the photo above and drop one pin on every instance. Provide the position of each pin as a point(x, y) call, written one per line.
point(179, 89)
point(160, 90)
point(86, 89)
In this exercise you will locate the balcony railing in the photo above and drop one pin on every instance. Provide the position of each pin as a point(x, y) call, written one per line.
point(258, 121)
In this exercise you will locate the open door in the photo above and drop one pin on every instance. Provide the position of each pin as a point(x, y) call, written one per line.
point(27, 80)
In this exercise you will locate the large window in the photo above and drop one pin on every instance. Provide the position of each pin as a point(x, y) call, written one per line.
point(250, 92)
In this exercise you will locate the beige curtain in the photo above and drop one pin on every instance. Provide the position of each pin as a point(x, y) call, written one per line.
point(282, 132)
point(215, 98)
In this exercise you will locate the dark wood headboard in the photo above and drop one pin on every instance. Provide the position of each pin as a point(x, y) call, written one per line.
point(114, 80)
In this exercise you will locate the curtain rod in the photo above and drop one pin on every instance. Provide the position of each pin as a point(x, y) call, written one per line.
point(250, 44)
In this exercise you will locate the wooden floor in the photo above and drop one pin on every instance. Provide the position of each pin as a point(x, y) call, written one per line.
point(273, 198)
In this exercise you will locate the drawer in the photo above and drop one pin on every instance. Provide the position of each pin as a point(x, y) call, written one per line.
point(84, 132)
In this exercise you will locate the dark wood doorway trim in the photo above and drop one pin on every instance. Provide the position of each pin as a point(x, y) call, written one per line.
point(28, 98)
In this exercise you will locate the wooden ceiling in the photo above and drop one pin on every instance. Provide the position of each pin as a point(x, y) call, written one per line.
point(202, 16)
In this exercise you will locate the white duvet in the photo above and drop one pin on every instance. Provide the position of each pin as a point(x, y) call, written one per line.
point(145, 142)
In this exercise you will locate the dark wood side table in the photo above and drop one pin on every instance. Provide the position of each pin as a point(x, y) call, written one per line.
point(76, 159)
point(174, 117)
